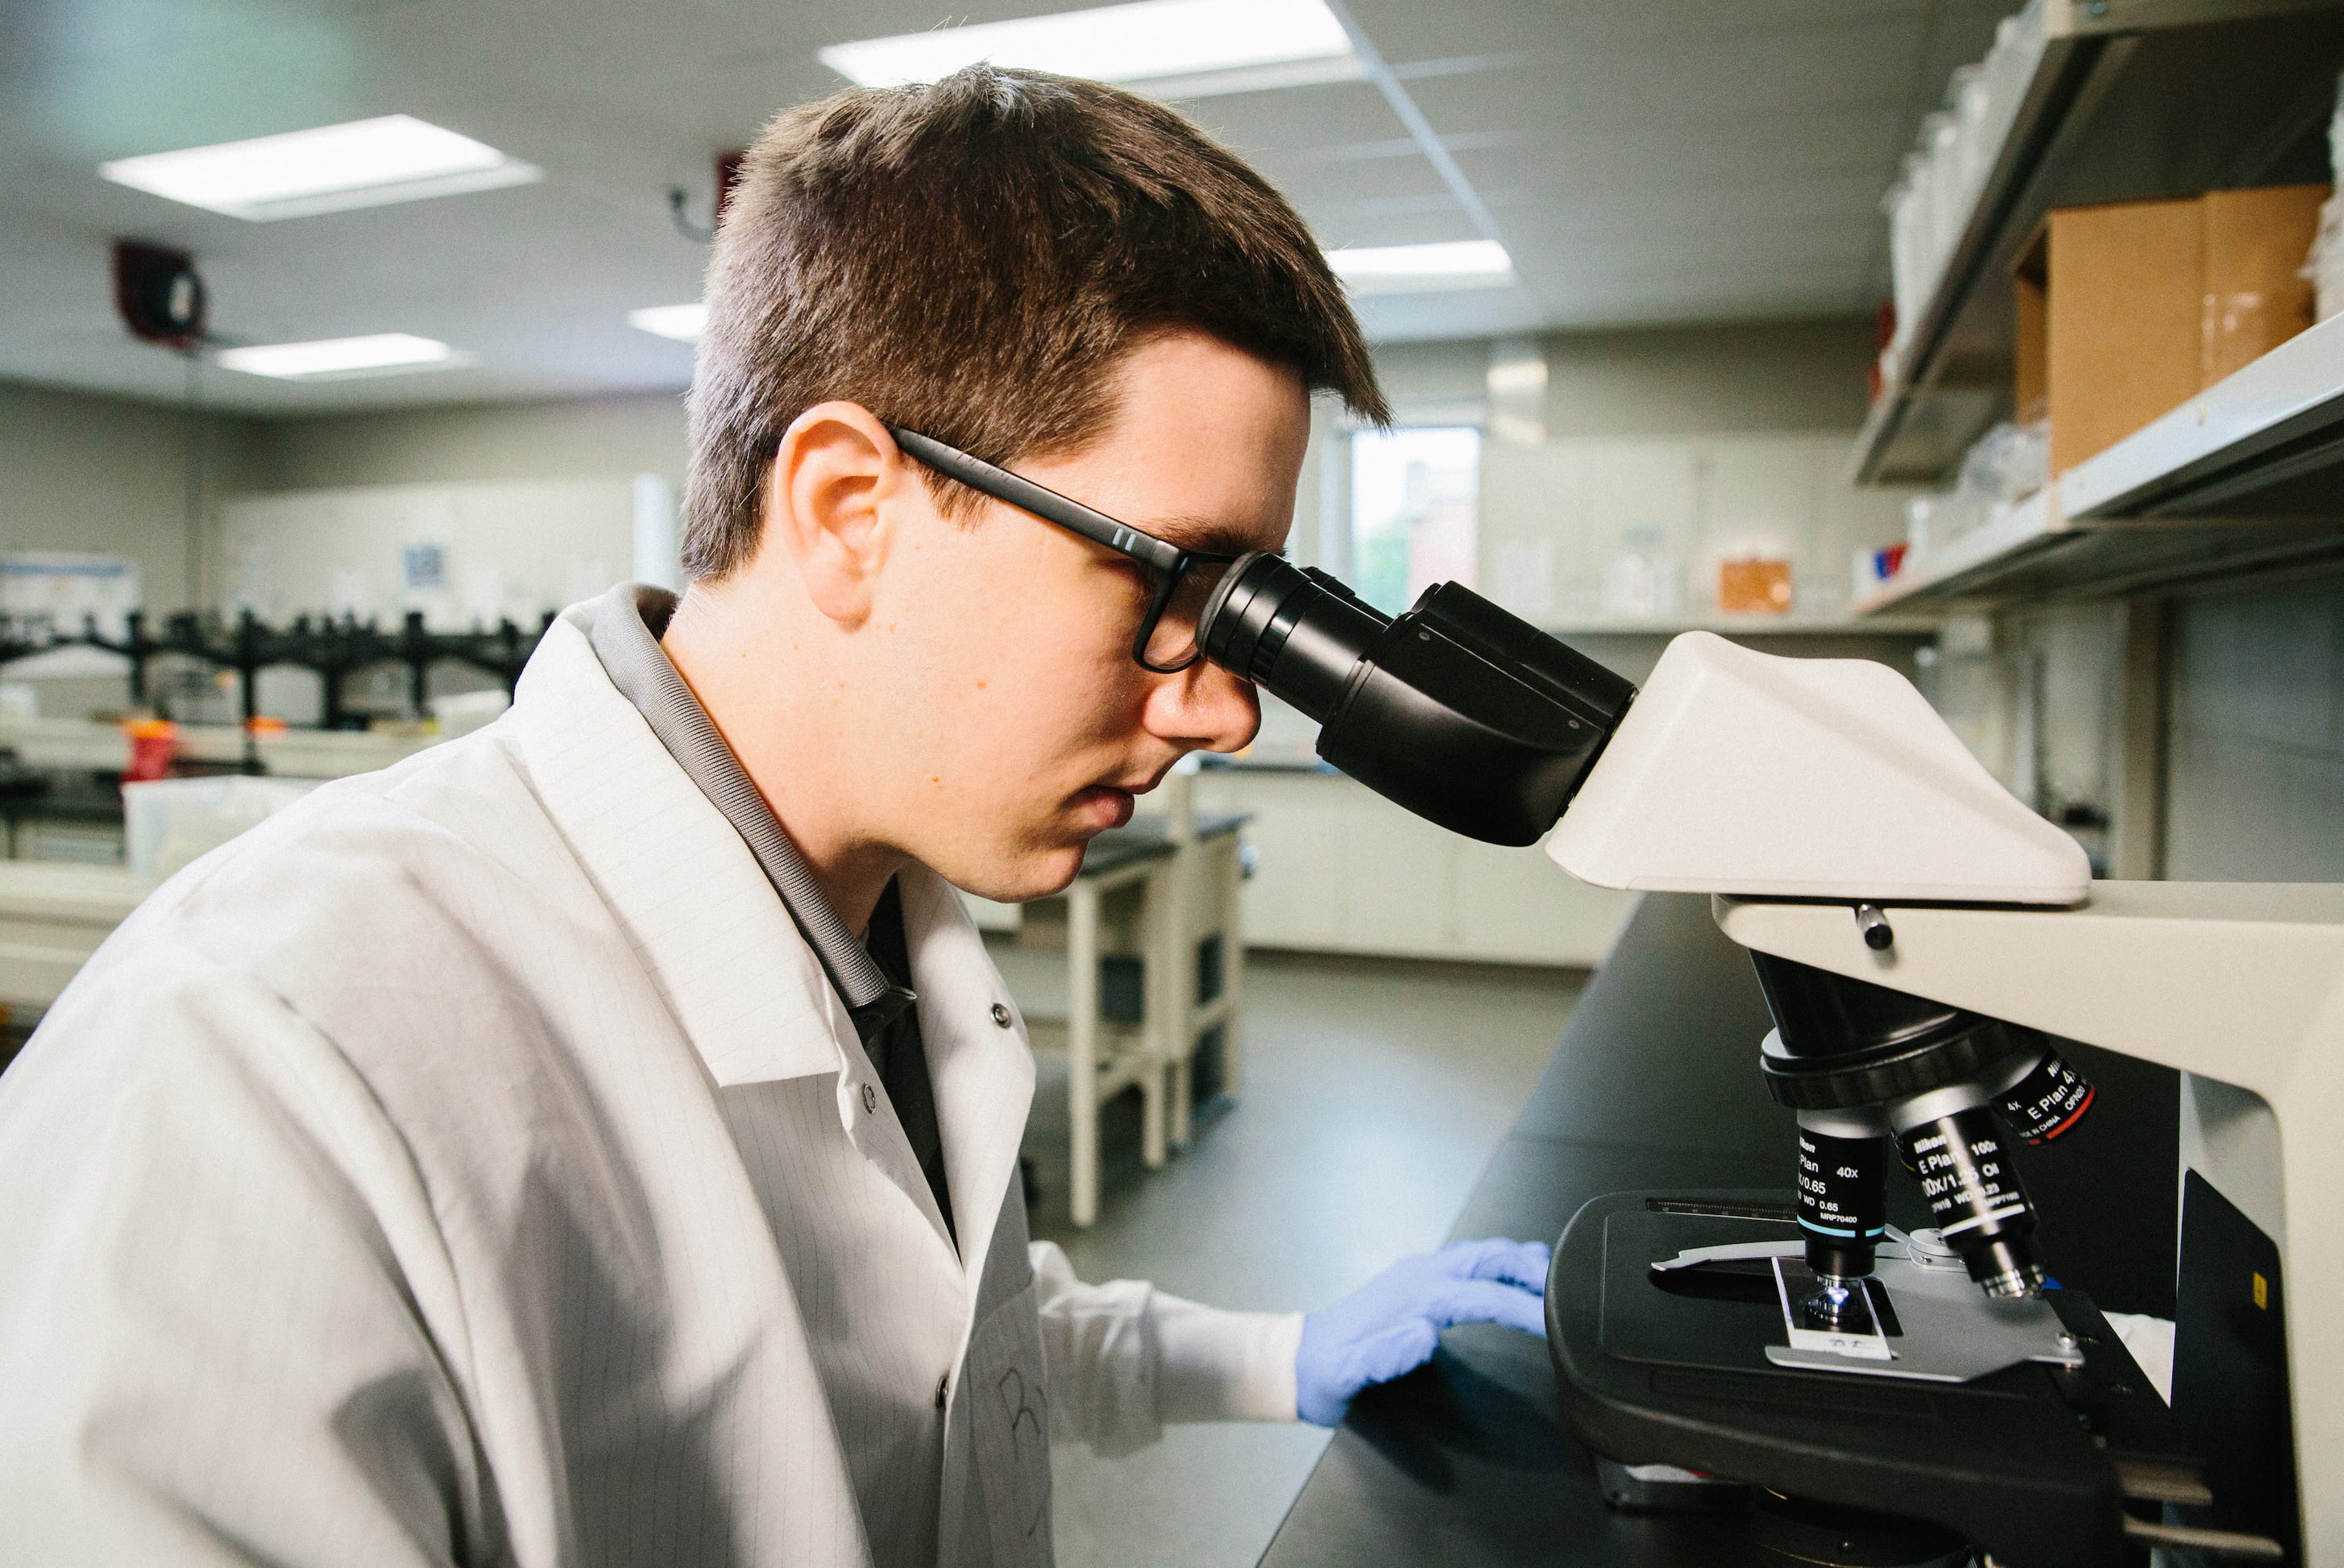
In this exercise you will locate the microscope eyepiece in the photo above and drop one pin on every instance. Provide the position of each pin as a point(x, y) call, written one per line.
point(1468, 716)
point(1248, 627)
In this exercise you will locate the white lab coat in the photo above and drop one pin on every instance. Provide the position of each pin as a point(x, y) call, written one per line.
point(369, 1198)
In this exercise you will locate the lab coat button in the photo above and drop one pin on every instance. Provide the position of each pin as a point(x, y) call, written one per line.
point(870, 1100)
point(1000, 1016)
point(943, 1387)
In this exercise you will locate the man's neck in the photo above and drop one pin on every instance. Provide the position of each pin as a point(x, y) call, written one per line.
point(790, 747)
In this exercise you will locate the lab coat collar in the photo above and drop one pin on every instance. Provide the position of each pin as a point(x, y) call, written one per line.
point(624, 632)
point(978, 1059)
point(748, 992)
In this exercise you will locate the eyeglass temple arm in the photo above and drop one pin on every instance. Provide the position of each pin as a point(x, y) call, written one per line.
point(1048, 504)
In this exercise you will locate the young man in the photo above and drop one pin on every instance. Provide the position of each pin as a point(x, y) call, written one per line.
point(595, 1141)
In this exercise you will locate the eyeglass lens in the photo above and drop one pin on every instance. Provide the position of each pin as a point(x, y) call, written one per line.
point(1173, 640)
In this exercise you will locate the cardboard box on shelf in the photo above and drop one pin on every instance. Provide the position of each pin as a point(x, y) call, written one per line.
point(2126, 311)
point(1754, 587)
point(2112, 296)
point(2256, 296)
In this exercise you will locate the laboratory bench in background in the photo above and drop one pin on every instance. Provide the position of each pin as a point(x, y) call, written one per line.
point(1150, 991)
point(60, 798)
point(53, 915)
point(1467, 1463)
point(292, 753)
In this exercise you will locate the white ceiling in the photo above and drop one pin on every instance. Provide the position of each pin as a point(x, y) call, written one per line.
point(1643, 160)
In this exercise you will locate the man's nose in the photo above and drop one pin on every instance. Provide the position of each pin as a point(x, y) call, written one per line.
point(1203, 708)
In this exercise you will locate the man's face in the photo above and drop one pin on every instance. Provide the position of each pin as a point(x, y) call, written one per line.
point(1012, 720)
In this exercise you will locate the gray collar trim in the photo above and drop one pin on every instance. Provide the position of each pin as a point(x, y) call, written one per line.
point(628, 621)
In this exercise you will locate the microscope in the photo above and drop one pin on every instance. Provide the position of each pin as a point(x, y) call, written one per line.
point(1925, 944)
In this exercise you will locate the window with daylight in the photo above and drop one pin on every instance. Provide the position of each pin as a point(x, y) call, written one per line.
point(1415, 511)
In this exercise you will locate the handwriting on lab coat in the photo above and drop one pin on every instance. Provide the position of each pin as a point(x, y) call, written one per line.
point(1030, 1430)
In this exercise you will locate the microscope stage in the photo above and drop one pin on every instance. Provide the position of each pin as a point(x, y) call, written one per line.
point(1927, 1322)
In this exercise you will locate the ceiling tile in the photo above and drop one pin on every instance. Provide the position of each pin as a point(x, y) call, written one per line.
point(1648, 161)
point(1298, 119)
point(1406, 32)
point(1329, 186)
point(1429, 224)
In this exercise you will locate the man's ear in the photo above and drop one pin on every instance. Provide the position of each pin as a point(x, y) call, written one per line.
point(831, 504)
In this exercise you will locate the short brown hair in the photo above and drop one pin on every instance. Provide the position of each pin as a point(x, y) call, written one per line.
point(970, 260)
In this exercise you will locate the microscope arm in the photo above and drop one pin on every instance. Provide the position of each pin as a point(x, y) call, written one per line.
point(2241, 982)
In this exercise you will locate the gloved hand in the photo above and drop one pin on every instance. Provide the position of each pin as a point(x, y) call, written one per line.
point(1391, 1324)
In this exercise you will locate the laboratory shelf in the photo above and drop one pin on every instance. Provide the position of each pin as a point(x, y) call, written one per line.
point(2255, 443)
point(2130, 100)
point(2246, 476)
point(1951, 576)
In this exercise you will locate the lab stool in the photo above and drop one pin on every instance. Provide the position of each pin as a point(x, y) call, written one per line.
point(1155, 966)
point(1198, 986)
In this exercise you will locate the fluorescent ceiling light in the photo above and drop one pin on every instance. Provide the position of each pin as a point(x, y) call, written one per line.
point(366, 163)
point(682, 322)
point(1169, 48)
point(334, 359)
point(1424, 268)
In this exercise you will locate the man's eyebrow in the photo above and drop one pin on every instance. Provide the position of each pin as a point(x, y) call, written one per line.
point(1204, 533)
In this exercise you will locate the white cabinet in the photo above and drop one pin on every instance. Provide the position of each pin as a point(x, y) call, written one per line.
point(1304, 832)
point(1340, 869)
point(1518, 906)
point(1396, 873)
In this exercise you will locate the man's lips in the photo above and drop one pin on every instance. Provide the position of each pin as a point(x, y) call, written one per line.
point(1106, 805)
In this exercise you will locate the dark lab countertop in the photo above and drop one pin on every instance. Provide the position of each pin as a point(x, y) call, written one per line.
point(1150, 838)
point(1655, 1085)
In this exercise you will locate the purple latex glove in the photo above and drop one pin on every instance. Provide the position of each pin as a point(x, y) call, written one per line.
point(1391, 1324)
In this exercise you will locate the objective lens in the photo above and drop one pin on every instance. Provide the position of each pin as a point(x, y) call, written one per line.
point(1976, 1196)
point(1843, 1200)
point(2048, 1102)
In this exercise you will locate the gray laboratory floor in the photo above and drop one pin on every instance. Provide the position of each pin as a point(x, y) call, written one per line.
point(1373, 1092)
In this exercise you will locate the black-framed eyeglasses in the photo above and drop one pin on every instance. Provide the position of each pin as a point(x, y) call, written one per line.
point(1166, 643)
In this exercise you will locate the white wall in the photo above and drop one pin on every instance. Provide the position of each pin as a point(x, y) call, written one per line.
point(1435, 383)
point(106, 474)
point(2073, 654)
point(2249, 748)
point(586, 439)
point(2255, 789)
point(1708, 380)
point(1731, 440)
point(508, 549)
